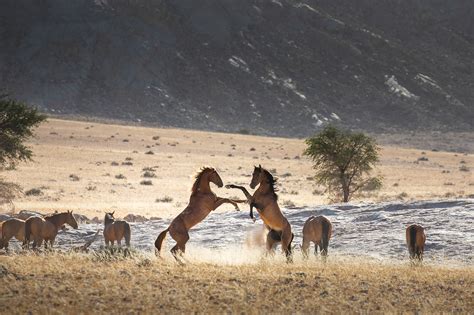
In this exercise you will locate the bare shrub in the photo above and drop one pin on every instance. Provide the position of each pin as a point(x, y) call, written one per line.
point(74, 178)
point(288, 203)
point(33, 192)
point(402, 195)
point(120, 176)
point(8, 191)
point(464, 168)
point(164, 199)
point(146, 182)
point(149, 174)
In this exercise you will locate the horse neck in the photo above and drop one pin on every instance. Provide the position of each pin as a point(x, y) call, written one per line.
point(57, 219)
point(204, 186)
point(108, 220)
point(264, 186)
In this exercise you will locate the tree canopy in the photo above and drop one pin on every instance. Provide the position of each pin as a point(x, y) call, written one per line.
point(343, 161)
point(17, 121)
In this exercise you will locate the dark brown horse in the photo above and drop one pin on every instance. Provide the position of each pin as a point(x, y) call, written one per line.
point(265, 200)
point(46, 228)
point(116, 230)
point(317, 230)
point(201, 203)
point(416, 238)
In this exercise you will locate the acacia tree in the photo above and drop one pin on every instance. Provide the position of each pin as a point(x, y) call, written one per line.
point(343, 161)
point(17, 121)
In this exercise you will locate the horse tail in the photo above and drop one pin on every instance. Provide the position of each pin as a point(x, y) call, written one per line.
point(412, 240)
point(159, 241)
point(127, 234)
point(28, 223)
point(325, 236)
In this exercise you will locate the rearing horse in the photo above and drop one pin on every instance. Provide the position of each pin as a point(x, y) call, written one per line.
point(265, 200)
point(201, 203)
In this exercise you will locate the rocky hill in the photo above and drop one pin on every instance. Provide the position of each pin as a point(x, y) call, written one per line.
point(276, 67)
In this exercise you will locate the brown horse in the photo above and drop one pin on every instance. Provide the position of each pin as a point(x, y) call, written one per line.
point(416, 238)
point(202, 201)
point(116, 230)
point(12, 228)
point(317, 230)
point(264, 200)
point(46, 228)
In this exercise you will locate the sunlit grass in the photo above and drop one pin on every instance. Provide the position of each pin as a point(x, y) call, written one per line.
point(209, 282)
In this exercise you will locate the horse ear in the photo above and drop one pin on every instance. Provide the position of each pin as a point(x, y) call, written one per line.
point(113, 212)
point(259, 165)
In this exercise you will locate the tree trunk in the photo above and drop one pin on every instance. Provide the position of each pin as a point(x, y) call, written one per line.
point(345, 191)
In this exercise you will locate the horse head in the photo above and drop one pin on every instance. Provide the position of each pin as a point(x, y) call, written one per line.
point(109, 217)
point(71, 220)
point(256, 176)
point(215, 178)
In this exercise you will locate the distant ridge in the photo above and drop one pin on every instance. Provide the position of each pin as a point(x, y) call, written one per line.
point(270, 67)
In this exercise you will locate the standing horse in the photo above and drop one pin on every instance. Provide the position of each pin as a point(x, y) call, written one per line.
point(116, 230)
point(202, 201)
point(416, 238)
point(265, 200)
point(12, 228)
point(317, 230)
point(46, 228)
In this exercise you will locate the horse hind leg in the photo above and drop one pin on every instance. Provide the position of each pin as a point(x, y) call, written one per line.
point(286, 239)
point(181, 236)
point(305, 248)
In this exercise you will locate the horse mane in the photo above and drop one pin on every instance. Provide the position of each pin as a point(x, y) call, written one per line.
point(198, 177)
point(271, 181)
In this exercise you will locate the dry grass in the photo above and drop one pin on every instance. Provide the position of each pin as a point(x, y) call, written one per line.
point(95, 153)
point(66, 283)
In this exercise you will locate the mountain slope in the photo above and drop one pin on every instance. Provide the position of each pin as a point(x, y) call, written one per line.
point(270, 67)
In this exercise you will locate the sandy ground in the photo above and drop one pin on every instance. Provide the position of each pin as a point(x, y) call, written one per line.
point(83, 166)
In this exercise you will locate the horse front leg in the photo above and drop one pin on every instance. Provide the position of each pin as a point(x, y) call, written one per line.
point(243, 189)
point(234, 202)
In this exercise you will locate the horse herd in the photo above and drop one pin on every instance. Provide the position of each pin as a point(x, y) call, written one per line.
point(201, 202)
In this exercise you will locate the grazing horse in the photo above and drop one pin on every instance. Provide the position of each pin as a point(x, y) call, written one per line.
point(264, 200)
point(46, 228)
point(116, 230)
point(317, 230)
point(416, 239)
point(202, 201)
point(12, 228)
